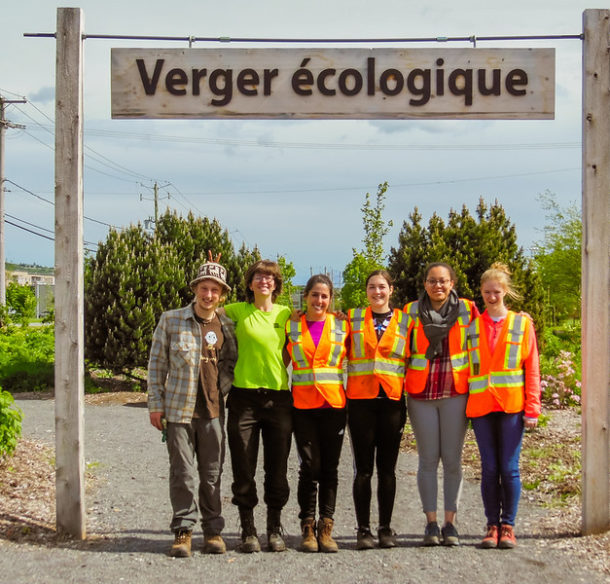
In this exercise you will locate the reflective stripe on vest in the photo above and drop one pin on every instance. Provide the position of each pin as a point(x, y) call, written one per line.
point(357, 336)
point(379, 365)
point(307, 377)
point(400, 346)
point(459, 361)
point(514, 339)
point(337, 337)
point(474, 337)
point(295, 334)
point(496, 379)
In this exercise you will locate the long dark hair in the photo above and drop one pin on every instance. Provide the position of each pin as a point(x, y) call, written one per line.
point(318, 279)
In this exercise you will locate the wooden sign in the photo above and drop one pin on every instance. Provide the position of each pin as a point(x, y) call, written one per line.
point(334, 83)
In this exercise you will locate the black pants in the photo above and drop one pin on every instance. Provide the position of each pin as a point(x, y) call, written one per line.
point(254, 413)
point(318, 434)
point(376, 427)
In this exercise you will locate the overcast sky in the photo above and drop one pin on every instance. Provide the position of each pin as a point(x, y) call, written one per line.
point(291, 187)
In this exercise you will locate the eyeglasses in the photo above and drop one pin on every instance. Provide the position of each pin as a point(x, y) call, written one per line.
point(261, 277)
point(433, 282)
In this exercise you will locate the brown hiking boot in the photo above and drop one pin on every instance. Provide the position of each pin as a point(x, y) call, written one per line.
point(325, 541)
point(213, 544)
point(309, 543)
point(182, 544)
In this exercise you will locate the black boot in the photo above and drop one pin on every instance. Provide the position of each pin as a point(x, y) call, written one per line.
point(275, 542)
point(249, 539)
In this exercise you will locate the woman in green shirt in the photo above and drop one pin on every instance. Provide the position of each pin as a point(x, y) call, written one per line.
point(260, 403)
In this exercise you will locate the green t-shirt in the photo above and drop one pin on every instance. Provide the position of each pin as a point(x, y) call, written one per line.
point(260, 339)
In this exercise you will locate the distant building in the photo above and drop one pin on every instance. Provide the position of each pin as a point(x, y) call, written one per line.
point(26, 279)
point(43, 286)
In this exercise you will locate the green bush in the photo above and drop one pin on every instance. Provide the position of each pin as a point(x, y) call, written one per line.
point(10, 424)
point(27, 358)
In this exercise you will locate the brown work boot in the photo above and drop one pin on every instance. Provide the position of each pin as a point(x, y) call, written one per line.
point(182, 544)
point(309, 543)
point(213, 544)
point(325, 541)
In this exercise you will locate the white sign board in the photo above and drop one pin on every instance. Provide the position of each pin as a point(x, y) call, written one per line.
point(333, 83)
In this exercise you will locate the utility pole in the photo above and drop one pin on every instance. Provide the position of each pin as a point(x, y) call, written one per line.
point(155, 189)
point(3, 125)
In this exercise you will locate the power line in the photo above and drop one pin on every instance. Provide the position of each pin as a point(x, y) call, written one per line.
point(91, 153)
point(46, 236)
point(53, 203)
point(38, 227)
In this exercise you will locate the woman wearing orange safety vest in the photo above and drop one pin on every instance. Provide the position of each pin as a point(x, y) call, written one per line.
point(376, 405)
point(316, 344)
point(437, 386)
point(504, 397)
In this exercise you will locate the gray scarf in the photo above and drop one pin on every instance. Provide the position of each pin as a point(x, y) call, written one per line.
point(437, 324)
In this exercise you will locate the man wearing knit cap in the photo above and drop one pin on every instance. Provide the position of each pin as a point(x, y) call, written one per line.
point(190, 369)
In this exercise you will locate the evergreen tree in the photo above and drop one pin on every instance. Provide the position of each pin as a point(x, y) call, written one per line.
point(470, 246)
point(135, 276)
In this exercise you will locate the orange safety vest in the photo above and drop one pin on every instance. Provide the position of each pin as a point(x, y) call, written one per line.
point(498, 378)
point(317, 372)
point(373, 362)
point(418, 367)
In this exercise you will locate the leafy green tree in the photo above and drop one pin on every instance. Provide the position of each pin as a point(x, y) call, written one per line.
point(558, 258)
point(22, 299)
point(372, 257)
point(470, 245)
point(288, 288)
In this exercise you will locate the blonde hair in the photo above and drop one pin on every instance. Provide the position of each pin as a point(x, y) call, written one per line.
point(500, 273)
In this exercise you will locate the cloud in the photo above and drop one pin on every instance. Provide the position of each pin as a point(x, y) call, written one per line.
point(44, 95)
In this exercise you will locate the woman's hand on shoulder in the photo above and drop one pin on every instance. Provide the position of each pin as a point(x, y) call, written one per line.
point(296, 315)
point(340, 315)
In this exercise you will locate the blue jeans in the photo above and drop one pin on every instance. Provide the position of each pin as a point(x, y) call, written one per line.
point(499, 437)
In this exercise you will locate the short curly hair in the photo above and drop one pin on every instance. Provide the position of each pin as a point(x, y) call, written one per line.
point(264, 267)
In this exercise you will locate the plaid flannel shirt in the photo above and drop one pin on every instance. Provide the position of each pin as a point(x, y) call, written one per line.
point(173, 366)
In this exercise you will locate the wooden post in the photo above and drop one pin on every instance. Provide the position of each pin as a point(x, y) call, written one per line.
point(69, 280)
point(596, 272)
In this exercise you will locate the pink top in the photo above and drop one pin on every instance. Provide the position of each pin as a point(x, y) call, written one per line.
point(315, 330)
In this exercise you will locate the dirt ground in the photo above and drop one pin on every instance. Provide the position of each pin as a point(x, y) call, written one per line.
point(27, 486)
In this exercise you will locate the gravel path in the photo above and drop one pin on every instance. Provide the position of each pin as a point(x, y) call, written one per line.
point(128, 514)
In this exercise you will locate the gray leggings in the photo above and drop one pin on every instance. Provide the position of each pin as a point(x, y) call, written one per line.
point(439, 426)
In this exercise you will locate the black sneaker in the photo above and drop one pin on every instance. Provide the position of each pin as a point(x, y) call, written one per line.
point(364, 539)
point(450, 535)
point(432, 535)
point(387, 537)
